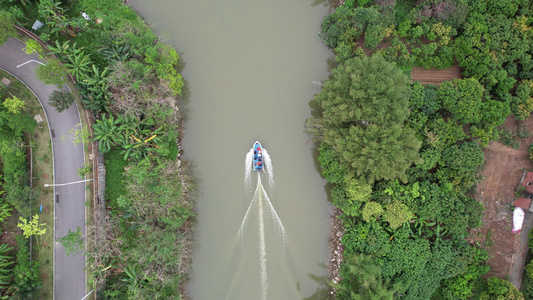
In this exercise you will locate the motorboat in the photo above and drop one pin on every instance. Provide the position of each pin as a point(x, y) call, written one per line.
point(258, 162)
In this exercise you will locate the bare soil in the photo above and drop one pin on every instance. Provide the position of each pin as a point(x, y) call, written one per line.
point(500, 180)
point(435, 76)
point(10, 230)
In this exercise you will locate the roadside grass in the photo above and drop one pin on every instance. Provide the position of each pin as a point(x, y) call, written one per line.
point(115, 187)
point(42, 172)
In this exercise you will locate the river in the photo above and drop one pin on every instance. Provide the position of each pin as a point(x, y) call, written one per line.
point(252, 68)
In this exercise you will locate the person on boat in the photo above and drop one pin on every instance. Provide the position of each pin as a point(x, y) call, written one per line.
point(259, 164)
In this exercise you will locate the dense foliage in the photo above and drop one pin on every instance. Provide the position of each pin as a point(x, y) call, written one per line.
point(363, 117)
point(19, 277)
point(61, 100)
point(130, 82)
point(404, 158)
point(14, 122)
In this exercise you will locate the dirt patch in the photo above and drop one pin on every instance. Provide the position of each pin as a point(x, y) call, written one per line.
point(501, 176)
point(435, 76)
point(9, 230)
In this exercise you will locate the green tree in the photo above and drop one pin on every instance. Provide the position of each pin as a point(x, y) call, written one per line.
point(365, 91)
point(365, 105)
point(500, 289)
point(463, 285)
point(86, 169)
point(14, 105)
point(361, 279)
point(7, 26)
point(32, 227)
point(33, 47)
point(462, 97)
point(522, 104)
point(72, 241)
point(374, 152)
point(372, 210)
point(397, 213)
point(331, 168)
point(61, 100)
point(52, 73)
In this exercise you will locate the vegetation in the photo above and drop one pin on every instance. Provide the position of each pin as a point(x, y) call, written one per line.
point(26, 282)
point(129, 81)
point(61, 100)
point(403, 159)
point(72, 241)
point(14, 122)
point(22, 278)
point(365, 106)
point(7, 26)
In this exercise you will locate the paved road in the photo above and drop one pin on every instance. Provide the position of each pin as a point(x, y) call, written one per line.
point(69, 274)
point(520, 252)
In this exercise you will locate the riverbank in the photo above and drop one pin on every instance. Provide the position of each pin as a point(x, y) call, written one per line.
point(336, 249)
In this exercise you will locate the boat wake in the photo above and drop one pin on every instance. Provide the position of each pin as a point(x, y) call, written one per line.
point(266, 215)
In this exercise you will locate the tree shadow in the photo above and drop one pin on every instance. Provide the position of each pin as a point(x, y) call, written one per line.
point(323, 290)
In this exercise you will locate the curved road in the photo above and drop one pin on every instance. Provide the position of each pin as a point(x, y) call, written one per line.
point(69, 274)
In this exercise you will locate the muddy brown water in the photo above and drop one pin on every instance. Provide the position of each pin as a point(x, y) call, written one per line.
point(252, 68)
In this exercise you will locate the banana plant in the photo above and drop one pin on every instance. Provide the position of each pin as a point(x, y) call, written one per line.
point(66, 49)
point(6, 272)
point(139, 148)
point(5, 212)
point(95, 94)
point(116, 52)
point(78, 65)
point(106, 132)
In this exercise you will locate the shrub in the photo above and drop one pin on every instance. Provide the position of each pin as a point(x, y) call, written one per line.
point(500, 289)
point(372, 210)
point(396, 214)
point(27, 282)
point(61, 100)
point(114, 164)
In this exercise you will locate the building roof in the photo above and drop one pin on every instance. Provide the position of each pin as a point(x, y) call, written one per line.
point(523, 202)
point(528, 182)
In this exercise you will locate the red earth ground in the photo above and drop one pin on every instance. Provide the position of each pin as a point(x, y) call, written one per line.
point(435, 76)
point(501, 177)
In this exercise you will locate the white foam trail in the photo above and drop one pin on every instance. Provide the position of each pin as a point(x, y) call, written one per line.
point(279, 228)
point(248, 167)
point(240, 234)
point(262, 246)
point(264, 205)
point(268, 168)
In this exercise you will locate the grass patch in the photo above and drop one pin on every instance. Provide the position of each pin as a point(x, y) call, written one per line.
point(513, 138)
point(42, 172)
point(114, 179)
